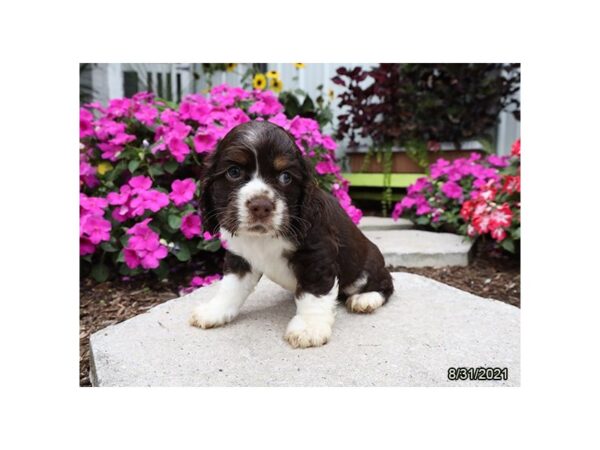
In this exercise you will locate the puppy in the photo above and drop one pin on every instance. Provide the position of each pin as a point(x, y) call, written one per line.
point(260, 193)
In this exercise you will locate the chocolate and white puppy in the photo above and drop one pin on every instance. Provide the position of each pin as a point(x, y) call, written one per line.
point(260, 194)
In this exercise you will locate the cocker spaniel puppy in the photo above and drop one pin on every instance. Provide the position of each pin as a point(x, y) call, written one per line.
point(260, 193)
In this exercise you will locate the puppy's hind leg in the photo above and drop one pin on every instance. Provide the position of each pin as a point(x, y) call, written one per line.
point(376, 289)
point(365, 302)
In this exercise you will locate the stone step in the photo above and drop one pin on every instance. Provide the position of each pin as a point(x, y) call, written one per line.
point(373, 223)
point(426, 328)
point(416, 248)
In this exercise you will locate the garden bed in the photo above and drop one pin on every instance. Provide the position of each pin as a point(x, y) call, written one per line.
point(489, 275)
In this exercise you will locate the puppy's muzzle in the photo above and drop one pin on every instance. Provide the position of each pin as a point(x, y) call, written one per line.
point(260, 209)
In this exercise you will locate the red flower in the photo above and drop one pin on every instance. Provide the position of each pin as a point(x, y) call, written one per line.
point(516, 148)
point(481, 223)
point(488, 193)
point(512, 183)
point(501, 217)
point(499, 234)
point(466, 210)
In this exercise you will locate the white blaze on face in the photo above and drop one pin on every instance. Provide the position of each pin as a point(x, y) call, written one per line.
point(257, 187)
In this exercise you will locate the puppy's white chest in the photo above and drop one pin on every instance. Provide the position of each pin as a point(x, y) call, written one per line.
point(266, 255)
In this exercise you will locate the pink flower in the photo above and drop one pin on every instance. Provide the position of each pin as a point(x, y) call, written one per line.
point(191, 225)
point(154, 200)
point(418, 186)
point(143, 247)
point(110, 151)
point(340, 192)
point(197, 110)
point(205, 140)
point(178, 148)
point(94, 205)
point(143, 96)
point(267, 104)
point(119, 107)
point(423, 207)
point(452, 190)
point(86, 247)
point(122, 139)
point(328, 143)
point(95, 228)
point(87, 174)
point(205, 281)
point(324, 167)
point(135, 198)
point(182, 191)
point(498, 161)
point(146, 114)
point(140, 183)
point(398, 210)
point(280, 120)
point(207, 236)
point(86, 127)
point(235, 117)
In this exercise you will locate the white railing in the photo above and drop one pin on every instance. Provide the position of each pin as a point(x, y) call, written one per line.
point(308, 79)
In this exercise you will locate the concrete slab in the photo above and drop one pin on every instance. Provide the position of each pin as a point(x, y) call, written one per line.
point(426, 328)
point(416, 248)
point(371, 223)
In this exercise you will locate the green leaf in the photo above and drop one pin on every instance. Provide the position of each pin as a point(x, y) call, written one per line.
point(307, 105)
point(108, 247)
point(508, 245)
point(124, 240)
point(184, 253)
point(171, 166)
point(121, 257)
point(212, 246)
point(162, 271)
point(100, 272)
point(156, 170)
point(174, 221)
point(422, 220)
point(516, 233)
point(133, 165)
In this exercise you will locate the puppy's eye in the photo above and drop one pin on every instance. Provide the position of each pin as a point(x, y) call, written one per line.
point(284, 178)
point(234, 173)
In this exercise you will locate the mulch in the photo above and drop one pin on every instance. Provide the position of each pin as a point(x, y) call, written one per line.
point(490, 275)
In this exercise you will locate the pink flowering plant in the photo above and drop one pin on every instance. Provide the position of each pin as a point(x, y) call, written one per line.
point(140, 161)
point(472, 196)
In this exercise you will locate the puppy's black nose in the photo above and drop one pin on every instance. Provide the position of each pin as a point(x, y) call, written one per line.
point(260, 207)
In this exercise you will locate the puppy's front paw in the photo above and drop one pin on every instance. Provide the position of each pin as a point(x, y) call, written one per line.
point(211, 314)
point(308, 331)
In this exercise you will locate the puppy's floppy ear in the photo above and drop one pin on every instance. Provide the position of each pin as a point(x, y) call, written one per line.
point(207, 212)
point(310, 204)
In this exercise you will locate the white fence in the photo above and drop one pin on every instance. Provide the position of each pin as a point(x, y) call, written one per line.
point(174, 81)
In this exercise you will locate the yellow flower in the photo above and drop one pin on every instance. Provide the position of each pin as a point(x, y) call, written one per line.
point(230, 67)
point(259, 81)
point(272, 74)
point(104, 167)
point(299, 65)
point(330, 94)
point(276, 85)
